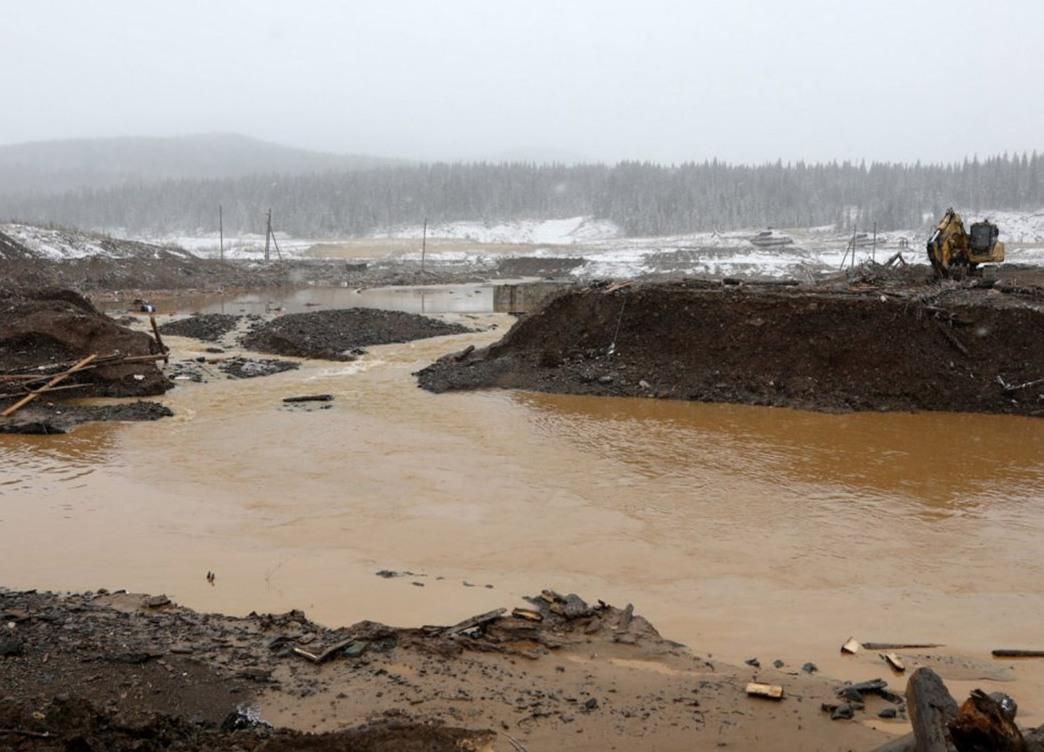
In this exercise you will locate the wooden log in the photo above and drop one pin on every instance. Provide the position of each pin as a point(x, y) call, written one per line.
point(53, 382)
point(61, 388)
point(159, 340)
point(1011, 653)
point(981, 724)
point(901, 645)
point(931, 708)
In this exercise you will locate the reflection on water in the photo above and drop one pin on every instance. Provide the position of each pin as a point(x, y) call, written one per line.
point(42, 463)
point(947, 462)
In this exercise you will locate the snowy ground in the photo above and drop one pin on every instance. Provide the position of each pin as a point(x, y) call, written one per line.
point(599, 242)
point(62, 245)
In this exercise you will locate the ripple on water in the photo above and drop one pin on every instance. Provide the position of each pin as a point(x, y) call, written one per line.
point(39, 463)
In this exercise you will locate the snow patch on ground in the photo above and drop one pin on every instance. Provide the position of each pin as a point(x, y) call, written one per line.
point(248, 246)
point(66, 245)
point(522, 232)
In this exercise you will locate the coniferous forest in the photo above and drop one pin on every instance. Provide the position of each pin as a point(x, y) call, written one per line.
point(642, 198)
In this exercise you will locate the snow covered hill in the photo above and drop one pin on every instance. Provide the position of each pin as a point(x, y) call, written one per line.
point(54, 244)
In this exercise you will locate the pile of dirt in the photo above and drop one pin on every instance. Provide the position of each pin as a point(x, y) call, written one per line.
point(49, 418)
point(209, 327)
point(339, 334)
point(42, 330)
point(923, 348)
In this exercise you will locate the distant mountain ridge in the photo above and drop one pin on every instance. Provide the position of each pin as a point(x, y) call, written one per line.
point(58, 166)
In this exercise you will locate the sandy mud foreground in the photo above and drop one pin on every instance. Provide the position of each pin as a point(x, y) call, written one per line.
point(853, 347)
point(120, 672)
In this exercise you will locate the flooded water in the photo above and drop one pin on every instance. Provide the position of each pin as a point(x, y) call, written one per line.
point(469, 298)
point(740, 531)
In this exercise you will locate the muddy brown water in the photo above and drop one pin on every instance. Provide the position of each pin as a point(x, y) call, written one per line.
point(740, 531)
point(433, 299)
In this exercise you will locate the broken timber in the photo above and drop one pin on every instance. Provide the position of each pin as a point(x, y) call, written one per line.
point(326, 654)
point(1011, 653)
point(768, 691)
point(52, 383)
point(931, 709)
point(474, 621)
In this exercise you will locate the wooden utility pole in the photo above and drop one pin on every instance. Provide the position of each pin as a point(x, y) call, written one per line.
point(268, 233)
point(424, 246)
point(873, 253)
point(221, 233)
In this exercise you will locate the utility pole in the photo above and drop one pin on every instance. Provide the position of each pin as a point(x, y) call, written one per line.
point(424, 250)
point(221, 233)
point(873, 256)
point(268, 233)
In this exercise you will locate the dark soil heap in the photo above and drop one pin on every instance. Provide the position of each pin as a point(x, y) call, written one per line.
point(48, 327)
point(209, 327)
point(333, 335)
point(923, 348)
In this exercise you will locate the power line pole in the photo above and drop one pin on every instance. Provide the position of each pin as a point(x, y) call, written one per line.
point(268, 233)
point(221, 232)
point(424, 249)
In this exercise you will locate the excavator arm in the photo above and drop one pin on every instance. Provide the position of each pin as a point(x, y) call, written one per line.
point(950, 245)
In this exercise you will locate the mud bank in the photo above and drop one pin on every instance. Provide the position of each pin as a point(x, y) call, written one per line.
point(45, 332)
point(111, 671)
point(52, 418)
point(209, 327)
point(925, 347)
point(333, 335)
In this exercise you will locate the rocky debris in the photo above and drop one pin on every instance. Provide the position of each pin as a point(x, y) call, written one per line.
point(339, 334)
point(65, 724)
point(56, 418)
point(209, 327)
point(166, 677)
point(46, 331)
point(247, 368)
point(925, 348)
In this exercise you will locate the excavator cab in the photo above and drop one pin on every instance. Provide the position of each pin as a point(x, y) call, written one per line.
point(952, 250)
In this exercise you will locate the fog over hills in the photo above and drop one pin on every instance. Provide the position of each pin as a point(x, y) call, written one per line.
point(56, 166)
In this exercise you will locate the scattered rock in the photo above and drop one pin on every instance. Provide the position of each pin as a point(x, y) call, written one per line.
point(245, 368)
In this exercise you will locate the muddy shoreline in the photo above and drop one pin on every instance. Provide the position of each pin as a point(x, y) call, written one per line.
point(119, 667)
point(842, 348)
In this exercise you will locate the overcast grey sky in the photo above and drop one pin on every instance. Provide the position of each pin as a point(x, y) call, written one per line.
point(742, 80)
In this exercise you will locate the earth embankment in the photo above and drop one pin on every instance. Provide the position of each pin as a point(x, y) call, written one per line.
point(925, 347)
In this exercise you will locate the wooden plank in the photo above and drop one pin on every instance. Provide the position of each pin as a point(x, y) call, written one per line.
point(53, 382)
point(768, 691)
point(851, 646)
point(894, 661)
point(901, 645)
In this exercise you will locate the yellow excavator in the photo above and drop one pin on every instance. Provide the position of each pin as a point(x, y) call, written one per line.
point(954, 252)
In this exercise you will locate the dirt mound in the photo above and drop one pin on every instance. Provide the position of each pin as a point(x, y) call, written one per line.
point(333, 335)
point(926, 348)
point(209, 327)
point(60, 418)
point(41, 330)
